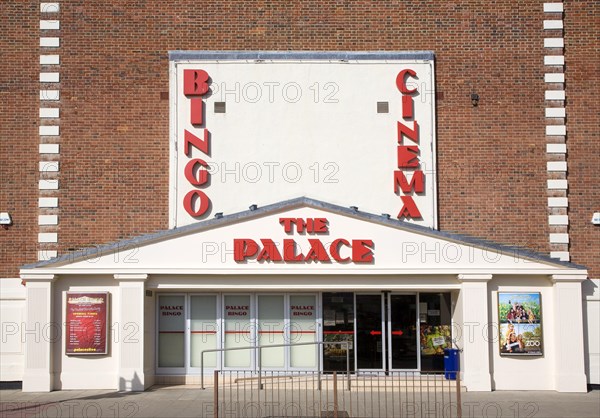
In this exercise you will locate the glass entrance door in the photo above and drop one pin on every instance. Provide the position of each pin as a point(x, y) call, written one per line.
point(370, 350)
point(386, 330)
point(402, 331)
point(338, 326)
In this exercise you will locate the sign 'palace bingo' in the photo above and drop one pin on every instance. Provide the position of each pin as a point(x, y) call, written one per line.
point(259, 128)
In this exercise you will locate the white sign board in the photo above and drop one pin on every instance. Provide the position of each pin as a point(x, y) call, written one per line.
point(259, 128)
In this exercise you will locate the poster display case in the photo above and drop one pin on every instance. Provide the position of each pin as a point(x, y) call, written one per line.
point(520, 324)
point(86, 323)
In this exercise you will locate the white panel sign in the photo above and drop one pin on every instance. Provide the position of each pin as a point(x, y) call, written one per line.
point(353, 132)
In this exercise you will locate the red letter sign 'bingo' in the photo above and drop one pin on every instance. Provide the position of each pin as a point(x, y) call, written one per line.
point(195, 85)
point(408, 154)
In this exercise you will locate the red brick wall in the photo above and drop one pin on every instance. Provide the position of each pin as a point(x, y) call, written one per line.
point(114, 125)
point(19, 139)
point(582, 72)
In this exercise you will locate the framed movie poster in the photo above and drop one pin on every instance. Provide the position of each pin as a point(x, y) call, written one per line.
point(87, 319)
point(520, 320)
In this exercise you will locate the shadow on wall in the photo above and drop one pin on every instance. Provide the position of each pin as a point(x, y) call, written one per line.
point(590, 293)
point(590, 287)
point(133, 385)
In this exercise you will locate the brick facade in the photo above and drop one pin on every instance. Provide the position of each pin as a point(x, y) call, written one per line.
point(19, 98)
point(582, 69)
point(114, 124)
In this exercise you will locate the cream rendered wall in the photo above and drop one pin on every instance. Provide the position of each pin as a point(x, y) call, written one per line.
point(316, 282)
point(523, 373)
point(297, 128)
point(12, 322)
point(95, 371)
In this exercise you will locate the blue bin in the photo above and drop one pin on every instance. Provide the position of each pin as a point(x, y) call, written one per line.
point(451, 363)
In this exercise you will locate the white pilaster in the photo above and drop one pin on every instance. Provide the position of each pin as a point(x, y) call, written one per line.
point(131, 358)
point(476, 368)
point(568, 320)
point(39, 334)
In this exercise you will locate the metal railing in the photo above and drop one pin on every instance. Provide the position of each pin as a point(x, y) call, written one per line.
point(237, 393)
point(259, 348)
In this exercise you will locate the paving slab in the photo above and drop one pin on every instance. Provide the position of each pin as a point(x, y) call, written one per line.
point(184, 401)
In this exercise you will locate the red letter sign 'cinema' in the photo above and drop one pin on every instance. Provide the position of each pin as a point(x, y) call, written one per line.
point(408, 153)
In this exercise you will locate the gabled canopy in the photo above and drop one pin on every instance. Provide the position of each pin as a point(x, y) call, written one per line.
point(397, 247)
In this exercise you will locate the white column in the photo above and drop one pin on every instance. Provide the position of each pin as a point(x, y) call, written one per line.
point(568, 325)
point(476, 353)
point(39, 333)
point(131, 332)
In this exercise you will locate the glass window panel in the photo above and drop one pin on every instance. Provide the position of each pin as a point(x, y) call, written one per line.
point(171, 327)
point(303, 327)
point(271, 314)
point(203, 321)
point(238, 330)
point(435, 332)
